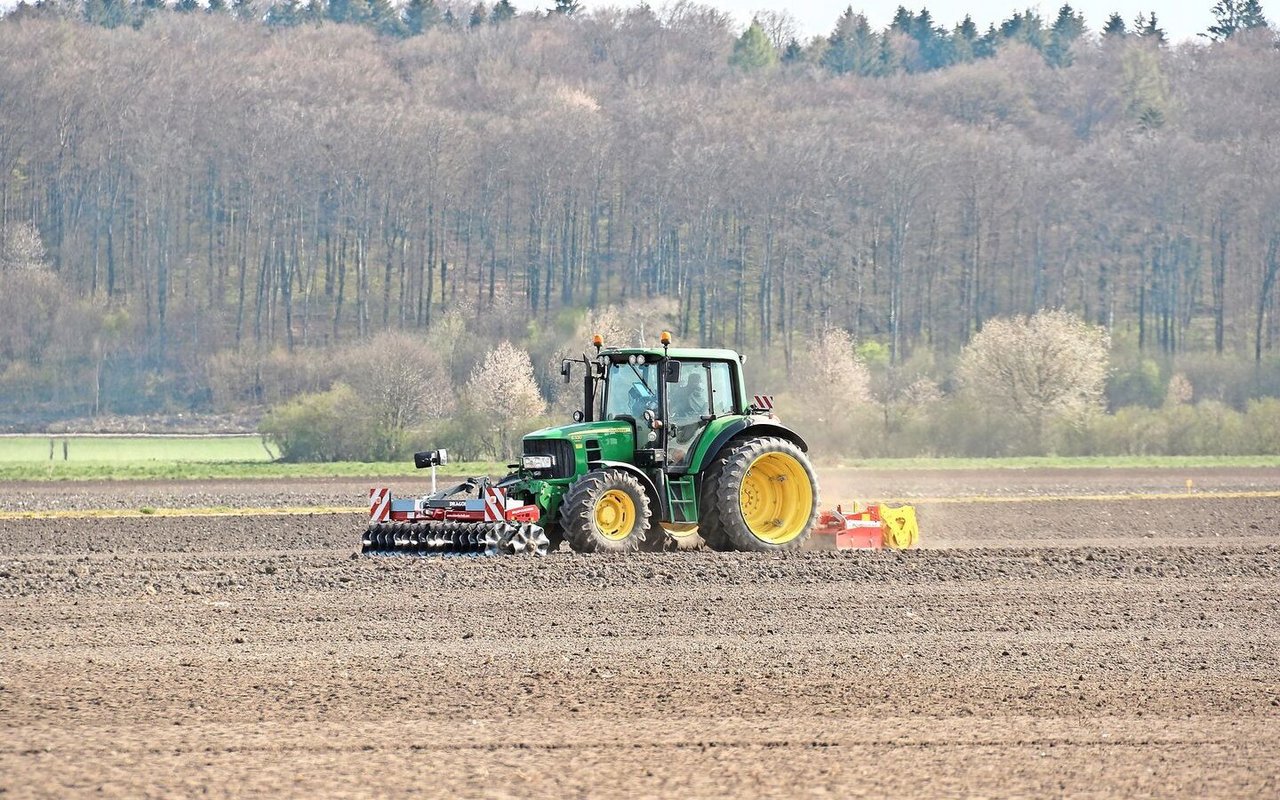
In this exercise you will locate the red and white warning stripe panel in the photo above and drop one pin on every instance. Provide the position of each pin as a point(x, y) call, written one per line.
point(379, 504)
point(495, 504)
point(764, 401)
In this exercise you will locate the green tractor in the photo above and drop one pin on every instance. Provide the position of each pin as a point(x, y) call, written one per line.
point(667, 447)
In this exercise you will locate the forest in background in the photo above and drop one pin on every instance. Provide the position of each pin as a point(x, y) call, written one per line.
point(212, 209)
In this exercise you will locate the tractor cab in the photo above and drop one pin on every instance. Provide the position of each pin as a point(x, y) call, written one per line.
point(669, 397)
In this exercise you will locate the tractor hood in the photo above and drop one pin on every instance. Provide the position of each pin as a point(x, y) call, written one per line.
point(610, 440)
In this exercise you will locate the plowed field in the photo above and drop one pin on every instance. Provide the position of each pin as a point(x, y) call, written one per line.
point(1039, 645)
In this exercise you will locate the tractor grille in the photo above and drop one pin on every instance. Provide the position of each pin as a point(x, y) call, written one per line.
point(561, 449)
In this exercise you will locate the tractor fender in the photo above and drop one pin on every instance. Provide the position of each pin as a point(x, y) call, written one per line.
point(757, 428)
point(655, 499)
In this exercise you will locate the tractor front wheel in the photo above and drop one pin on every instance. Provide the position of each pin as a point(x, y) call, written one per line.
point(605, 511)
point(761, 496)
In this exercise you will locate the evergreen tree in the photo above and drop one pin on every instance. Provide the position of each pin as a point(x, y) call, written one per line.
point(793, 52)
point(986, 46)
point(243, 10)
point(903, 21)
point(854, 47)
point(502, 11)
point(107, 13)
point(1148, 28)
point(337, 10)
point(217, 7)
point(1114, 28)
point(1066, 31)
point(1025, 27)
point(186, 6)
point(753, 50)
point(964, 41)
point(362, 11)
point(566, 7)
point(383, 18)
point(933, 42)
point(421, 15)
point(1235, 15)
point(478, 16)
point(283, 14)
point(313, 12)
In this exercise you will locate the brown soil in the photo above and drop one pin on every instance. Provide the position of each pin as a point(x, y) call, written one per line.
point(1044, 648)
point(838, 486)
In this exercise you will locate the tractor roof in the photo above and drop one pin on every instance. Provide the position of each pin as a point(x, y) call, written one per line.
point(681, 353)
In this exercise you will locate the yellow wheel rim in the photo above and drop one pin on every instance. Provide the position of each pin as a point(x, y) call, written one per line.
point(615, 515)
point(776, 498)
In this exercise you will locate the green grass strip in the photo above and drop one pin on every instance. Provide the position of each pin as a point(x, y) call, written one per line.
point(194, 470)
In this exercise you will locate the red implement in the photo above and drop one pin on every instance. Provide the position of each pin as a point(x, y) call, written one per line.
point(872, 527)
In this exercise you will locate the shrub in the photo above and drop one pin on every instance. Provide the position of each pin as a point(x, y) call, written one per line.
point(324, 426)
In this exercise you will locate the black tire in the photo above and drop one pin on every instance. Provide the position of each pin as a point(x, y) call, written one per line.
point(580, 513)
point(723, 504)
point(710, 525)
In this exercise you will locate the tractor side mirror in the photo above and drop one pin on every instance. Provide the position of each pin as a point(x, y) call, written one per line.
point(673, 372)
point(566, 369)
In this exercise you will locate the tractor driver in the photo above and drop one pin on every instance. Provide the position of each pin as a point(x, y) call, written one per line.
point(687, 406)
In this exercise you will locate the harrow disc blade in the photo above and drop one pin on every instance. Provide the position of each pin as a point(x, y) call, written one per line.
point(493, 536)
point(529, 539)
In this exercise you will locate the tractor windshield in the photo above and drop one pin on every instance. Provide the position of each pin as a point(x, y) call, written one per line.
point(632, 390)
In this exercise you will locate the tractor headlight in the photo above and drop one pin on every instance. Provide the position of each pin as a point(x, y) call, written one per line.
point(537, 462)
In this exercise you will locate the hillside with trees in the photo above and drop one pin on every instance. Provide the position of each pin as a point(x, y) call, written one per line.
point(234, 205)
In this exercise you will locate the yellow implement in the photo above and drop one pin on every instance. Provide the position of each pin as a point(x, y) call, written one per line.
point(901, 531)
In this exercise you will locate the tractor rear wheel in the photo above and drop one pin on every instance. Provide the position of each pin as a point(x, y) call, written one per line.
point(761, 496)
point(606, 511)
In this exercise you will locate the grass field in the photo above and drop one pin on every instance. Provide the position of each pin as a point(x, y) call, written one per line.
point(26, 458)
point(133, 449)
point(181, 457)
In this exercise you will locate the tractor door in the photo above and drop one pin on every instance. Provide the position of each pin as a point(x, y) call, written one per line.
point(705, 391)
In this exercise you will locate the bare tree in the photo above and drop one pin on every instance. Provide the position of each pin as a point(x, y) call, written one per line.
point(1051, 365)
point(503, 393)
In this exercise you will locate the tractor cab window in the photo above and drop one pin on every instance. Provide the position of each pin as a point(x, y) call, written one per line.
point(689, 408)
point(722, 402)
point(633, 390)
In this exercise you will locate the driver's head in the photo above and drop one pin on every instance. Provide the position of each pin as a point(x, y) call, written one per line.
point(697, 386)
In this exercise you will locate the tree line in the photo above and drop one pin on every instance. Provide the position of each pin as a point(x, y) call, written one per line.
point(912, 42)
point(190, 186)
